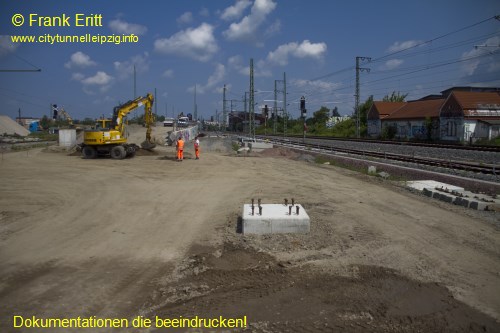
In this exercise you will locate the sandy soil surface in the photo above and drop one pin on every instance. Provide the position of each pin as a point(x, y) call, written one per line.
point(152, 236)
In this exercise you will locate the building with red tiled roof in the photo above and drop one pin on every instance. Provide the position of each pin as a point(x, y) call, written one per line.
point(416, 119)
point(468, 116)
point(461, 114)
point(378, 111)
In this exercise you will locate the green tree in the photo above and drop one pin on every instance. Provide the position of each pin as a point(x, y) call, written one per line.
point(395, 97)
point(363, 112)
point(45, 122)
point(335, 112)
point(389, 132)
point(345, 128)
point(321, 116)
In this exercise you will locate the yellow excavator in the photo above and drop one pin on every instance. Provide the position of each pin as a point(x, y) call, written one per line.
point(67, 117)
point(112, 141)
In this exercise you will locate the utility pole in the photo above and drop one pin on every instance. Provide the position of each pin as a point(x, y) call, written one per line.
point(224, 111)
point(275, 108)
point(356, 103)
point(244, 109)
point(283, 91)
point(252, 103)
point(285, 118)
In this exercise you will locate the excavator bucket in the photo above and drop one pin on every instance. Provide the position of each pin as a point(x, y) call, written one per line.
point(148, 145)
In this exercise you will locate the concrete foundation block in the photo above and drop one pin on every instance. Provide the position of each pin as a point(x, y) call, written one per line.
point(275, 219)
point(436, 195)
point(478, 205)
point(258, 146)
point(446, 198)
point(427, 192)
point(465, 202)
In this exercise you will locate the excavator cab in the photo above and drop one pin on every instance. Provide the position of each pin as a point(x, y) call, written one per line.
point(103, 124)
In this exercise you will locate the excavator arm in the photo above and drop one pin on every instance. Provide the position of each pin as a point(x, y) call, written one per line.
point(67, 116)
point(121, 111)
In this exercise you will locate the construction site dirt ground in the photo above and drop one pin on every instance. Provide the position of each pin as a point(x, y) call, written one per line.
point(150, 236)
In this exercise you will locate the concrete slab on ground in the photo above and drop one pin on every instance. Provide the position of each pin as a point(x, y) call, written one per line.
point(258, 146)
point(431, 184)
point(454, 194)
point(275, 219)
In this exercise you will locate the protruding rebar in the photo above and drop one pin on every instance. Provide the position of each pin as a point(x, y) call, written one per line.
point(258, 200)
point(252, 201)
point(289, 210)
point(293, 201)
point(260, 210)
point(297, 209)
point(286, 202)
point(252, 209)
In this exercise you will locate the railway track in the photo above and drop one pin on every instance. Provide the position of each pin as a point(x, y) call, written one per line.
point(489, 169)
point(401, 143)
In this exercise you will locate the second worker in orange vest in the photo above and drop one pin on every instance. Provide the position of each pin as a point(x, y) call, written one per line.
point(180, 149)
point(197, 148)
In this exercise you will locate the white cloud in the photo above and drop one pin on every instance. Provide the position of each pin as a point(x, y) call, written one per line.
point(79, 59)
point(316, 85)
point(121, 27)
point(245, 29)
point(198, 43)
point(400, 46)
point(216, 77)
point(470, 67)
point(235, 11)
point(169, 73)
point(99, 79)
point(391, 64)
point(185, 18)
point(125, 69)
point(305, 49)
point(6, 45)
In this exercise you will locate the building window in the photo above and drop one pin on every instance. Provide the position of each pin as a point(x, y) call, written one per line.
point(452, 128)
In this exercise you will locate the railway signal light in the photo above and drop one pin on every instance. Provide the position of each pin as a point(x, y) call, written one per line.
point(54, 111)
point(303, 110)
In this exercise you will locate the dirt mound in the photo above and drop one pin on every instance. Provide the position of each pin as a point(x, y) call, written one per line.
point(9, 126)
point(280, 297)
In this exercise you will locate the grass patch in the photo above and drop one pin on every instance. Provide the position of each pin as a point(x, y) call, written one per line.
point(44, 136)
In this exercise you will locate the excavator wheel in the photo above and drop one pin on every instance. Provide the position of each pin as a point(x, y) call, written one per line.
point(118, 152)
point(89, 152)
point(131, 150)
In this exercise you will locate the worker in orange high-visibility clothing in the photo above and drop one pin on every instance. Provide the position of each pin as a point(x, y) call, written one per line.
point(197, 148)
point(180, 149)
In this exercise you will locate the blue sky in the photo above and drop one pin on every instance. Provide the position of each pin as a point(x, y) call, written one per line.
point(416, 47)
